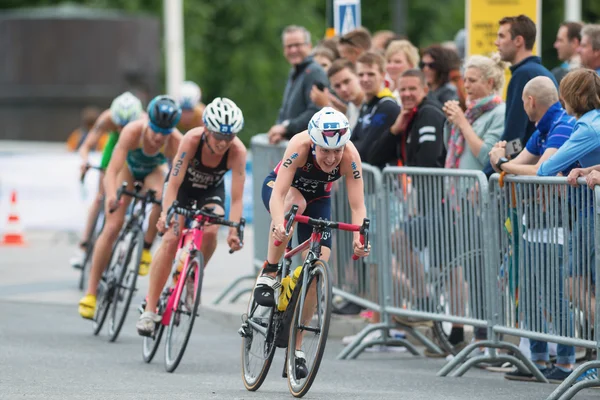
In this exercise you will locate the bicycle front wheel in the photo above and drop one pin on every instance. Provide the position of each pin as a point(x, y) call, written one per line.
point(106, 285)
point(309, 328)
point(86, 265)
point(126, 283)
point(184, 313)
point(258, 344)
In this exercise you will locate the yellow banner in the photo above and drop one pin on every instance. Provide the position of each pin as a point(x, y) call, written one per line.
point(482, 18)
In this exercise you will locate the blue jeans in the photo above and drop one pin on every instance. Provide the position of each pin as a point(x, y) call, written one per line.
point(534, 277)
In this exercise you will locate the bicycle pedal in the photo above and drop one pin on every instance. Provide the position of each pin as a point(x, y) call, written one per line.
point(243, 332)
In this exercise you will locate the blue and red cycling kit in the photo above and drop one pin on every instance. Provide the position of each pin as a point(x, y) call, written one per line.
point(315, 186)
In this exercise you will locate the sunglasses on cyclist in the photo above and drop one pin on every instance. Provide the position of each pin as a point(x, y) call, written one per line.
point(221, 137)
point(332, 133)
point(157, 129)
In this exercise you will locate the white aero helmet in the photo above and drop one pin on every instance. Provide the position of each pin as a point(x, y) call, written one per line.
point(329, 128)
point(189, 95)
point(223, 116)
point(125, 108)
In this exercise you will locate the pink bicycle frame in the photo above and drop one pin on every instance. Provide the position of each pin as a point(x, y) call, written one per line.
point(195, 234)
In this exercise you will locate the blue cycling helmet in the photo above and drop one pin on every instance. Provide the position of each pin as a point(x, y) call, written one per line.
point(164, 113)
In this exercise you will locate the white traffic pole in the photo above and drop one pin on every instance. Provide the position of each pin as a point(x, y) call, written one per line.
point(173, 42)
point(573, 10)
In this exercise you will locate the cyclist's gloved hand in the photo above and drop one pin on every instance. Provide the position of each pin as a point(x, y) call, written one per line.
point(359, 248)
point(233, 241)
point(279, 233)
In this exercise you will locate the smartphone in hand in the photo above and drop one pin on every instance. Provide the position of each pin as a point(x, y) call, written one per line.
point(513, 148)
point(320, 86)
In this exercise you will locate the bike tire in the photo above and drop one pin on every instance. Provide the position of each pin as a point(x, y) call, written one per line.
point(321, 275)
point(124, 290)
point(86, 265)
point(173, 356)
point(253, 381)
point(150, 344)
point(104, 296)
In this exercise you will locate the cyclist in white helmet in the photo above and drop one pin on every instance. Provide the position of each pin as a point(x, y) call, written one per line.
point(124, 108)
point(204, 156)
point(190, 100)
point(313, 160)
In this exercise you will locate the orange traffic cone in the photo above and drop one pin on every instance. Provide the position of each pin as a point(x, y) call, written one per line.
point(14, 232)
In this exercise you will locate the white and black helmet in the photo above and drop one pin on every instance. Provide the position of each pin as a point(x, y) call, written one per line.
point(189, 95)
point(329, 128)
point(223, 116)
point(125, 108)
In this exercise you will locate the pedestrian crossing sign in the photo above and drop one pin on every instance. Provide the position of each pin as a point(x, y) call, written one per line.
point(346, 16)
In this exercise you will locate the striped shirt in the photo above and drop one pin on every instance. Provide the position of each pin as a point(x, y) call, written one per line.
point(553, 130)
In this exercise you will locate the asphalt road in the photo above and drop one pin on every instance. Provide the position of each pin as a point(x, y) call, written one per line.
point(48, 352)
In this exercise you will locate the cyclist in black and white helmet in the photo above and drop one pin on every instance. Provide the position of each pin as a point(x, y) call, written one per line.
point(197, 175)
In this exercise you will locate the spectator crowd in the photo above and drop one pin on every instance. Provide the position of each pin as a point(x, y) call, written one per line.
point(434, 107)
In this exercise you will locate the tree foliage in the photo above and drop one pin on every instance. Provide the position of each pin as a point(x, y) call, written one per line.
point(233, 47)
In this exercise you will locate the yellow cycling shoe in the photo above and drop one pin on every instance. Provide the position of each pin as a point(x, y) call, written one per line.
point(145, 263)
point(87, 306)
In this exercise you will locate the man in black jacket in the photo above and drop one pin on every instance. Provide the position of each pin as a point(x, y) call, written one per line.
point(379, 111)
point(416, 139)
point(297, 107)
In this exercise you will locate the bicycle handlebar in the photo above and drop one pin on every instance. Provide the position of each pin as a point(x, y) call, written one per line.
point(292, 216)
point(148, 197)
point(87, 168)
point(209, 217)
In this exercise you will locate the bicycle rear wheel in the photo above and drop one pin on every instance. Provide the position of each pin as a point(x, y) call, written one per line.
point(310, 326)
point(258, 344)
point(184, 313)
point(126, 283)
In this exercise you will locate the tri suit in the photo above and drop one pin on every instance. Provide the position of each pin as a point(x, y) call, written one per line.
point(315, 186)
point(201, 183)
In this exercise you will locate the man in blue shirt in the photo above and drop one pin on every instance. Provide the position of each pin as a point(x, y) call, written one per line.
point(515, 40)
point(589, 50)
point(554, 127)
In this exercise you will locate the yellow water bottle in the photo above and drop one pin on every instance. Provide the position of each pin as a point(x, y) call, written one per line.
point(287, 288)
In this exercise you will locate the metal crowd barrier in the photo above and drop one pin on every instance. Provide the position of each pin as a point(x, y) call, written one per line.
point(265, 157)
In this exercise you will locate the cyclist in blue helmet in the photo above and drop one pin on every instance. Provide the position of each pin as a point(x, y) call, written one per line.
point(203, 158)
point(124, 109)
point(140, 154)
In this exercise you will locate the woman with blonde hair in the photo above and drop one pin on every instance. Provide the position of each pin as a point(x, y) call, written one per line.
point(470, 135)
point(400, 56)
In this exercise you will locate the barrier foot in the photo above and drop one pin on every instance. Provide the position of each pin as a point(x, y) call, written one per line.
point(239, 294)
point(565, 392)
point(519, 360)
point(232, 285)
point(387, 342)
point(359, 338)
point(425, 341)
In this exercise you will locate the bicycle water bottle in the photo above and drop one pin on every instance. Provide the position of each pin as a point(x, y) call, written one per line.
point(178, 263)
point(287, 288)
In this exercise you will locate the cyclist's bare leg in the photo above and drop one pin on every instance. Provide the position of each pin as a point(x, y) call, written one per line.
point(108, 236)
point(155, 181)
point(209, 237)
point(93, 212)
point(275, 253)
point(160, 268)
point(310, 301)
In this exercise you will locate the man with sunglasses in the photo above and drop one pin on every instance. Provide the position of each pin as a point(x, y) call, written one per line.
point(140, 154)
point(197, 177)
